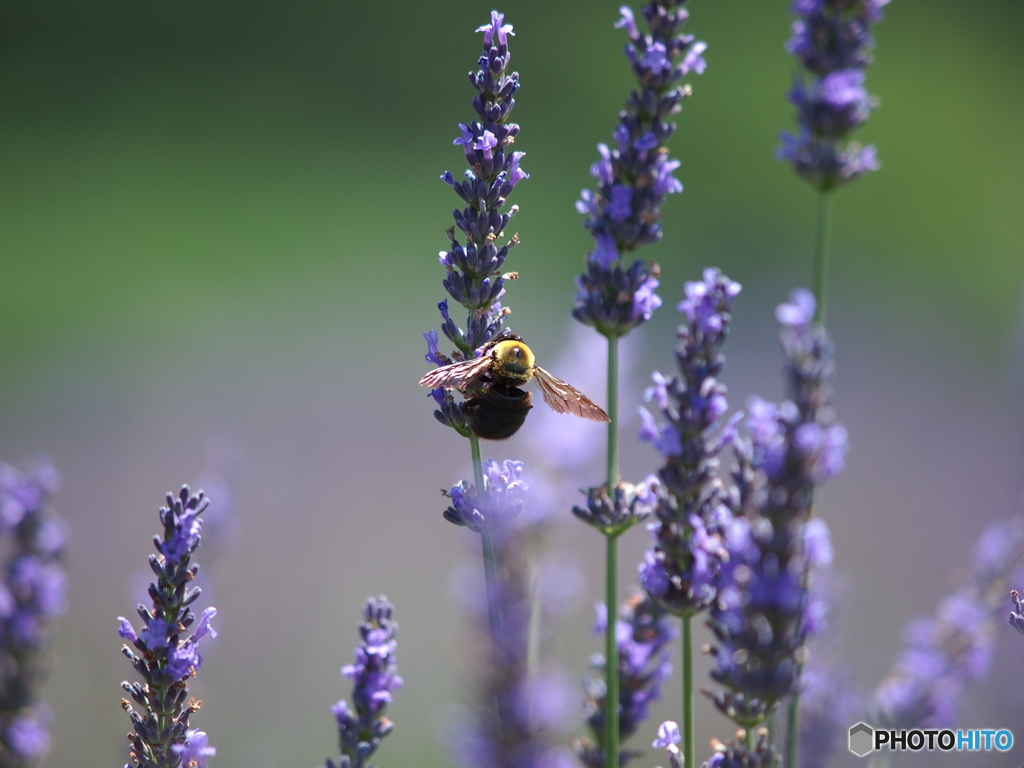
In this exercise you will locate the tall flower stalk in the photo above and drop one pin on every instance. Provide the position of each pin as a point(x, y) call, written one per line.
point(473, 269)
point(763, 613)
point(362, 725)
point(32, 540)
point(832, 41)
point(623, 213)
point(679, 570)
point(164, 654)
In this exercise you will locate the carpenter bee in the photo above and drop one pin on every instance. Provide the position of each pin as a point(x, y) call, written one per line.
point(495, 405)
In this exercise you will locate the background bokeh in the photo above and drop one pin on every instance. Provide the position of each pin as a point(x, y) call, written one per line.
point(218, 233)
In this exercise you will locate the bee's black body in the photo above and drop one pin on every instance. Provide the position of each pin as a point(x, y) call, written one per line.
point(498, 411)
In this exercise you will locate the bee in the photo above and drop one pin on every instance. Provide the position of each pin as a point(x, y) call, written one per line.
point(495, 405)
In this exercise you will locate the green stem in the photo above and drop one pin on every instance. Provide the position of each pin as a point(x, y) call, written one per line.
point(821, 242)
point(821, 249)
point(748, 739)
point(611, 646)
point(613, 412)
point(793, 726)
point(689, 751)
point(490, 566)
point(611, 655)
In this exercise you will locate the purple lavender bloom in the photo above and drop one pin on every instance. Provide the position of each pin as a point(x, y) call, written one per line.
point(643, 632)
point(196, 749)
point(946, 652)
point(473, 269)
point(627, 505)
point(832, 40)
point(1017, 615)
point(500, 502)
point(828, 704)
point(635, 174)
point(668, 739)
point(679, 569)
point(32, 595)
point(736, 755)
point(161, 652)
point(764, 614)
point(374, 678)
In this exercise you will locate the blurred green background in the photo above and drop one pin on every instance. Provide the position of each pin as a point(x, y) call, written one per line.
point(218, 233)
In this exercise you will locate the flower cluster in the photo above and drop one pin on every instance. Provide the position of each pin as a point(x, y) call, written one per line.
point(642, 633)
point(161, 652)
point(763, 613)
point(737, 754)
point(473, 270)
point(634, 176)
point(374, 678)
point(500, 502)
point(953, 648)
point(679, 570)
point(32, 540)
point(832, 40)
point(626, 505)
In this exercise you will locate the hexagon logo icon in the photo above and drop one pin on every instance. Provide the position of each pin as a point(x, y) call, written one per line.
point(862, 737)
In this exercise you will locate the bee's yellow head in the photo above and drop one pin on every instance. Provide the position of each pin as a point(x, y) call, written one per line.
point(513, 361)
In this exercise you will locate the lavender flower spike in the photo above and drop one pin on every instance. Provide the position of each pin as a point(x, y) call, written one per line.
point(763, 614)
point(948, 651)
point(679, 569)
point(832, 41)
point(473, 269)
point(32, 540)
point(159, 652)
point(643, 633)
point(635, 175)
point(374, 678)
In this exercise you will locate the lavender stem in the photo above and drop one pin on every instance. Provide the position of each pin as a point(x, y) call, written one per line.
point(689, 750)
point(611, 647)
point(821, 251)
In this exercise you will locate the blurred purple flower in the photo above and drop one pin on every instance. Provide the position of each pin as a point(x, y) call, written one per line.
point(946, 652)
point(196, 749)
point(160, 652)
point(525, 704)
point(736, 755)
point(499, 503)
point(832, 40)
point(764, 613)
point(1017, 615)
point(374, 678)
point(32, 595)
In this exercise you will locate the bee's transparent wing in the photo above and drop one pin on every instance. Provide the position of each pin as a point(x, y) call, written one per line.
point(457, 375)
point(565, 398)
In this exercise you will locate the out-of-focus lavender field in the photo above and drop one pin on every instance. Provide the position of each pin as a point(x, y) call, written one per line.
point(219, 226)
